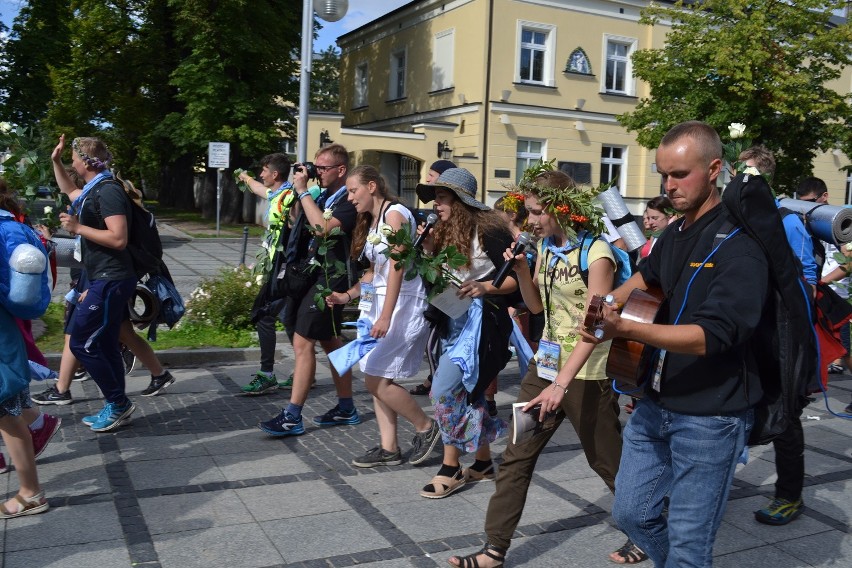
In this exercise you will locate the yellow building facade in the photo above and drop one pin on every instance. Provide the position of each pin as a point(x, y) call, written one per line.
point(494, 85)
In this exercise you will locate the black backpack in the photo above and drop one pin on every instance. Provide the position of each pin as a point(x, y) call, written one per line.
point(784, 343)
point(143, 238)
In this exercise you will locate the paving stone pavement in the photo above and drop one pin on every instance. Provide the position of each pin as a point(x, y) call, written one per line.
point(190, 482)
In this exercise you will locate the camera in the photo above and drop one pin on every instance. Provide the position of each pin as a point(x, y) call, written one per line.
point(308, 167)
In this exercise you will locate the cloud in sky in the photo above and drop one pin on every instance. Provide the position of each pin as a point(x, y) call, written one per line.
point(360, 12)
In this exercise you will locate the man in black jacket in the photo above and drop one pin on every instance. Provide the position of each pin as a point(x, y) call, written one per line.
point(686, 434)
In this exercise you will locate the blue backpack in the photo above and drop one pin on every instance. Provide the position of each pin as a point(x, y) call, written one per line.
point(24, 289)
point(623, 267)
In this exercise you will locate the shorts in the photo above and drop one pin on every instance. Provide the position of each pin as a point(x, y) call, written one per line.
point(303, 317)
point(15, 405)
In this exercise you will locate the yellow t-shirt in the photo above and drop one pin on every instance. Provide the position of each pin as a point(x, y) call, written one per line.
point(564, 287)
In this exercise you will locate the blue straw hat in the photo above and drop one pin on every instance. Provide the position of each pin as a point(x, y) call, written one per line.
point(459, 181)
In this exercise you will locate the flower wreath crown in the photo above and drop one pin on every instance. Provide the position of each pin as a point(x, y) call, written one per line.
point(572, 206)
point(92, 162)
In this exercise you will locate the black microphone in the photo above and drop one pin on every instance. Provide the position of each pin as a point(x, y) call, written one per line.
point(431, 220)
point(523, 241)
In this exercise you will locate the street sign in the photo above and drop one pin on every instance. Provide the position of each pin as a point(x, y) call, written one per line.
point(218, 154)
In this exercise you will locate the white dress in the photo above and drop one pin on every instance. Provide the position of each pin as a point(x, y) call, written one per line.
point(400, 353)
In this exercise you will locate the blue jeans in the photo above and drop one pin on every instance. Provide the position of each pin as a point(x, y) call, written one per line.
point(690, 459)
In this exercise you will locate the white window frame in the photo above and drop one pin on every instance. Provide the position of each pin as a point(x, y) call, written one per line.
point(362, 84)
point(394, 74)
point(849, 190)
point(530, 157)
point(549, 30)
point(442, 70)
point(629, 81)
point(620, 162)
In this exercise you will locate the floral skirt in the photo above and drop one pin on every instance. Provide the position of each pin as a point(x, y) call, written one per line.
point(466, 426)
point(15, 404)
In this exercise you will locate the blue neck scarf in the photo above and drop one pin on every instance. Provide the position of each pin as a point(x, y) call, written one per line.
point(78, 203)
point(560, 253)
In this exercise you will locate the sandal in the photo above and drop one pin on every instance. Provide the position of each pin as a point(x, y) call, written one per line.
point(493, 552)
point(472, 476)
point(442, 486)
point(26, 506)
point(628, 554)
point(420, 390)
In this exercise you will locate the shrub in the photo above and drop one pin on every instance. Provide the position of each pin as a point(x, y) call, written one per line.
point(224, 301)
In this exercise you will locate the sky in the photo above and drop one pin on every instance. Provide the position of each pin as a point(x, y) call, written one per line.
point(360, 12)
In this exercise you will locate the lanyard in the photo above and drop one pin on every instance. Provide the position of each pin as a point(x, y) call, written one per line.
point(77, 205)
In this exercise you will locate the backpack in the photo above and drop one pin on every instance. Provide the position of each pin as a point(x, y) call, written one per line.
point(623, 265)
point(24, 268)
point(143, 238)
point(784, 343)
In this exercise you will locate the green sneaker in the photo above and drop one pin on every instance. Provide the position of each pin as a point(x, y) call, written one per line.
point(260, 384)
point(779, 512)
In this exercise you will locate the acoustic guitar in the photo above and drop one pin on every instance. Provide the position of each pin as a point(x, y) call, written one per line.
point(629, 362)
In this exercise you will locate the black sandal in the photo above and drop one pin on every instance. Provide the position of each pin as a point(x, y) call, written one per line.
point(488, 550)
point(629, 554)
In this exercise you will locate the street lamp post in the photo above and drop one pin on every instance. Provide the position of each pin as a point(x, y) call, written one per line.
point(331, 11)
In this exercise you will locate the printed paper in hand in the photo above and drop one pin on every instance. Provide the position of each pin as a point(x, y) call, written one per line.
point(449, 303)
point(525, 424)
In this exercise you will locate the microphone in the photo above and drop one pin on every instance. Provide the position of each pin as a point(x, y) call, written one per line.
point(523, 241)
point(431, 220)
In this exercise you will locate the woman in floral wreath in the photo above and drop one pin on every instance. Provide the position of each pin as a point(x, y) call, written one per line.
point(579, 390)
point(395, 310)
point(480, 235)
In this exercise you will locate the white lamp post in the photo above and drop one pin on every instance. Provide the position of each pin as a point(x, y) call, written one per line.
point(331, 11)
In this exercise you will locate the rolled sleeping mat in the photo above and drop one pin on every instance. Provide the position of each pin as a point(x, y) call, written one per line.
point(144, 298)
point(830, 223)
point(64, 248)
point(622, 218)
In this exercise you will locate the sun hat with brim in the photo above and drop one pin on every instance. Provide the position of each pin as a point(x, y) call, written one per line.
point(459, 181)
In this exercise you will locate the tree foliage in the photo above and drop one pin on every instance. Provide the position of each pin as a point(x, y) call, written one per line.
point(768, 64)
point(325, 80)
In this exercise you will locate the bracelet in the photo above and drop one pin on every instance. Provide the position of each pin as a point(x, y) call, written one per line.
point(303, 194)
point(348, 295)
point(558, 386)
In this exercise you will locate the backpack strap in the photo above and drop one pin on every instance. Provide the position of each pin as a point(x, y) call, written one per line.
point(724, 230)
point(585, 244)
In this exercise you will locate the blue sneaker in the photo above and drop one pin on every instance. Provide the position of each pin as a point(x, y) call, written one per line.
point(337, 417)
point(112, 416)
point(283, 425)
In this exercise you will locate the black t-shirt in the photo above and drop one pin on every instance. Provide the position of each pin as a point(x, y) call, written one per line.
point(104, 200)
point(725, 296)
point(344, 211)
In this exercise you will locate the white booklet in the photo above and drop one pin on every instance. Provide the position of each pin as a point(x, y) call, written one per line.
point(449, 303)
point(525, 424)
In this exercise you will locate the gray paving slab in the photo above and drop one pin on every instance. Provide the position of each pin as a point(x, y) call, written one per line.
point(190, 481)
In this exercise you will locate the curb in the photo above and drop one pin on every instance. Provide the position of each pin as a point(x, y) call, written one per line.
point(191, 357)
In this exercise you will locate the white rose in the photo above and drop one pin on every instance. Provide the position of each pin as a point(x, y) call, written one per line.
point(374, 238)
point(736, 130)
point(386, 229)
point(849, 247)
point(48, 209)
point(751, 171)
point(248, 284)
point(259, 279)
point(326, 214)
point(5, 127)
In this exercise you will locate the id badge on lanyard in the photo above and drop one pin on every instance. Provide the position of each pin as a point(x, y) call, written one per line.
point(548, 359)
point(365, 304)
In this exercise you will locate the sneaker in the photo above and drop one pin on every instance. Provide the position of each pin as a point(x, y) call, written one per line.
point(111, 417)
point(81, 375)
point(779, 512)
point(378, 456)
point(129, 359)
point(283, 425)
point(3, 467)
point(43, 435)
point(53, 396)
point(158, 384)
point(260, 384)
point(337, 417)
point(288, 382)
point(836, 369)
point(423, 444)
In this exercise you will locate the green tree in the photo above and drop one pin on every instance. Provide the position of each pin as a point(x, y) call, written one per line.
point(765, 63)
point(38, 41)
point(325, 80)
